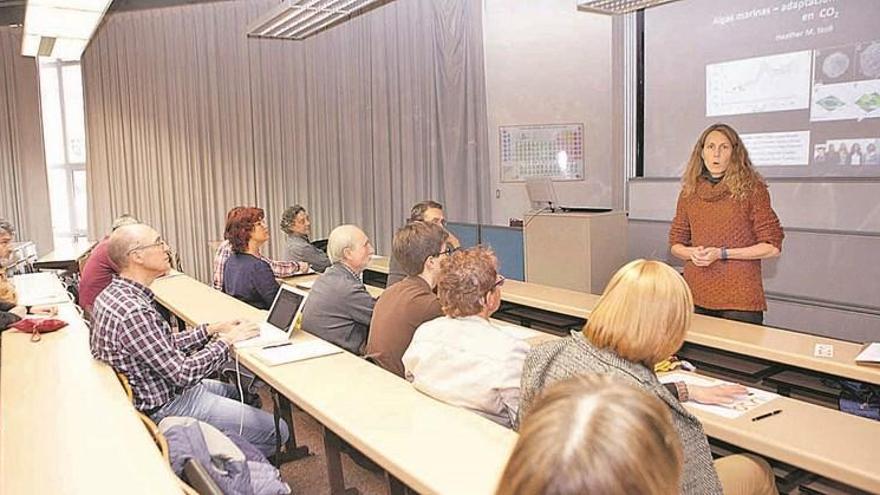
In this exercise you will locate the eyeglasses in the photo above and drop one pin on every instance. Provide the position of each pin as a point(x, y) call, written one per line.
point(499, 282)
point(160, 242)
point(447, 252)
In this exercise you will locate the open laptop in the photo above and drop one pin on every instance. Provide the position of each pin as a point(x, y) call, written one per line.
point(279, 325)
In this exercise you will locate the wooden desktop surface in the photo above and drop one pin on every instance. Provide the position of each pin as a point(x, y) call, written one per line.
point(66, 425)
point(66, 253)
point(430, 446)
point(773, 344)
point(824, 441)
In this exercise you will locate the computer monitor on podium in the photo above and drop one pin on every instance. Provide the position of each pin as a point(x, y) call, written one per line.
point(541, 193)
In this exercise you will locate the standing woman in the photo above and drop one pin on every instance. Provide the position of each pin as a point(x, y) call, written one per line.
point(724, 226)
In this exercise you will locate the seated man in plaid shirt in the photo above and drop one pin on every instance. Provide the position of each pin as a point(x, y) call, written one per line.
point(166, 371)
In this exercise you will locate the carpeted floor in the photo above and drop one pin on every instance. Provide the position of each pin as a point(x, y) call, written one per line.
point(309, 476)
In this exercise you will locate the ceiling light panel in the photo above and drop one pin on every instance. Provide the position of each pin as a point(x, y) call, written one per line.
point(617, 6)
point(70, 22)
point(299, 19)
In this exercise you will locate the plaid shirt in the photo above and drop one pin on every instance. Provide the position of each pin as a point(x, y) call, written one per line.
point(281, 269)
point(130, 335)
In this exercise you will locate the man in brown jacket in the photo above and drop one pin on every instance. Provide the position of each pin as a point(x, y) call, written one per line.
point(419, 247)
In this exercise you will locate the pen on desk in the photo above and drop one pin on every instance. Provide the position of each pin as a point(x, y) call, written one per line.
point(277, 345)
point(767, 415)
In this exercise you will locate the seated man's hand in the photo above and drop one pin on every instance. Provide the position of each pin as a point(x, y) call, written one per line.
point(242, 330)
point(222, 327)
point(717, 394)
point(44, 310)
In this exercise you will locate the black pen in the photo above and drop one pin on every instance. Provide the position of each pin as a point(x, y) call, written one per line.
point(277, 345)
point(767, 415)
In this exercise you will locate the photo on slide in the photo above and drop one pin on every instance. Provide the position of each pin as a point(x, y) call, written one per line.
point(847, 152)
point(834, 65)
point(855, 100)
point(846, 82)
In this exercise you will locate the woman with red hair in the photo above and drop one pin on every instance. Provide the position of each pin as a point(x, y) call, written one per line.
point(246, 276)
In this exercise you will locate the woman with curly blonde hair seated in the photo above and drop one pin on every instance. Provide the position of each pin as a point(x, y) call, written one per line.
point(592, 434)
point(463, 358)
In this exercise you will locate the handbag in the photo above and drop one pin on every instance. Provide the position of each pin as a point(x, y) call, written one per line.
point(38, 326)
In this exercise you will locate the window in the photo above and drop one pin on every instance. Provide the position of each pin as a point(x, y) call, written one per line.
point(64, 137)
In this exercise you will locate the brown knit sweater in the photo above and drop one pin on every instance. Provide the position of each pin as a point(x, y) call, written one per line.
point(711, 217)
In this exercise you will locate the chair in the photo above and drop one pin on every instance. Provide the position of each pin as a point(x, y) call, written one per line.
point(123, 380)
point(157, 435)
point(162, 444)
point(213, 246)
point(202, 483)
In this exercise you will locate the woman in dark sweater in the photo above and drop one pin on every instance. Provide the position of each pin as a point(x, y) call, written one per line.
point(246, 276)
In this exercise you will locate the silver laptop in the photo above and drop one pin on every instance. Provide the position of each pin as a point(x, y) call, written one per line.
point(278, 326)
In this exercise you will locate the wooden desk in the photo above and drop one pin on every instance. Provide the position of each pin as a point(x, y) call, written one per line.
point(817, 439)
point(65, 256)
point(66, 425)
point(773, 344)
point(299, 279)
point(428, 445)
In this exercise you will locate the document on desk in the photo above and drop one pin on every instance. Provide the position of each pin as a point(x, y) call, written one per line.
point(755, 398)
point(306, 285)
point(870, 354)
point(41, 288)
point(296, 351)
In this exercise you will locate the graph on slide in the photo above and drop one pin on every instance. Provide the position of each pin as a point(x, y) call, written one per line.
point(762, 84)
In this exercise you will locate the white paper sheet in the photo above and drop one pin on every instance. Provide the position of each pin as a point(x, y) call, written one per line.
point(738, 408)
point(870, 354)
point(296, 351)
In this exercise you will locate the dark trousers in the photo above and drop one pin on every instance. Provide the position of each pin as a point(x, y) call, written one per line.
point(754, 317)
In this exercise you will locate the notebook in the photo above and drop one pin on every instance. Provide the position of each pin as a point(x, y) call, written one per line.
point(40, 288)
point(296, 351)
point(279, 325)
point(870, 354)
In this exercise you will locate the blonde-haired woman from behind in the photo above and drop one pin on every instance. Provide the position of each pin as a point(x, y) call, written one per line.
point(591, 434)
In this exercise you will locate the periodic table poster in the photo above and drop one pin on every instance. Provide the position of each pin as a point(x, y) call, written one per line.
point(547, 150)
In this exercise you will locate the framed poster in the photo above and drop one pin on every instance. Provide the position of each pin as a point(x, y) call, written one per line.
point(543, 150)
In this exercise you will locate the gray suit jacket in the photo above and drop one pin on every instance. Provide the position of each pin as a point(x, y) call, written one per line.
point(300, 249)
point(575, 355)
point(339, 309)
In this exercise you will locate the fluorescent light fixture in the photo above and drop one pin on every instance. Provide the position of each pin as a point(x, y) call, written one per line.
point(617, 6)
point(299, 19)
point(60, 28)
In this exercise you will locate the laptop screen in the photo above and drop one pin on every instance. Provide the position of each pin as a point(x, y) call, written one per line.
point(284, 309)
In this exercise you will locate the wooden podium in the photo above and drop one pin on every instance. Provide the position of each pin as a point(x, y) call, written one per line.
point(578, 251)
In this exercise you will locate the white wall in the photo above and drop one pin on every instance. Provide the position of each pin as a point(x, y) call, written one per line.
point(548, 63)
